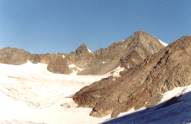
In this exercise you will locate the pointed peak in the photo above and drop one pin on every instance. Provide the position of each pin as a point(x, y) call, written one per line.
point(83, 49)
point(145, 38)
point(142, 35)
point(83, 45)
point(138, 33)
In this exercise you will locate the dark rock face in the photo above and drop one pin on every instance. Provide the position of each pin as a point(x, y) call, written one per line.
point(13, 56)
point(141, 85)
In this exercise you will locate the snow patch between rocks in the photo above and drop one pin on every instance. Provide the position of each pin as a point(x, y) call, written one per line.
point(116, 71)
point(163, 43)
point(89, 50)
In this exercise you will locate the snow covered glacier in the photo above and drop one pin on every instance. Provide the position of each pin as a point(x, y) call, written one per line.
point(30, 94)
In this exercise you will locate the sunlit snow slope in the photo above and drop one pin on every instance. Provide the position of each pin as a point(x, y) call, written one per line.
point(29, 94)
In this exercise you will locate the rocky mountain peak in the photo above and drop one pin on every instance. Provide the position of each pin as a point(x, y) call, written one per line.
point(141, 33)
point(148, 41)
point(82, 49)
point(138, 40)
point(140, 45)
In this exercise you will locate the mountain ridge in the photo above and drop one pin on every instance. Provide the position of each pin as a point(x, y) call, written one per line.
point(137, 46)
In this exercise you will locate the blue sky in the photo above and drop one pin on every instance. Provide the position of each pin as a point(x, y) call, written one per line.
point(42, 26)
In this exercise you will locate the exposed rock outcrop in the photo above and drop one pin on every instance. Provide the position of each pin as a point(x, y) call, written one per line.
point(14, 56)
point(58, 65)
point(141, 85)
point(56, 62)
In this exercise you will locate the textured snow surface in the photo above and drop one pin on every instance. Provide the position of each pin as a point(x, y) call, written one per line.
point(30, 94)
point(174, 108)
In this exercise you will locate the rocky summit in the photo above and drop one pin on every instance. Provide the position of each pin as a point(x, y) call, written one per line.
point(141, 85)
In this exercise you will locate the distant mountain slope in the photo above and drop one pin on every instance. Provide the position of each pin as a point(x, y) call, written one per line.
point(126, 53)
point(141, 85)
point(174, 111)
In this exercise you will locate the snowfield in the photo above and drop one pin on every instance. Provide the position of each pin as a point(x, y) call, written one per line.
point(30, 94)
